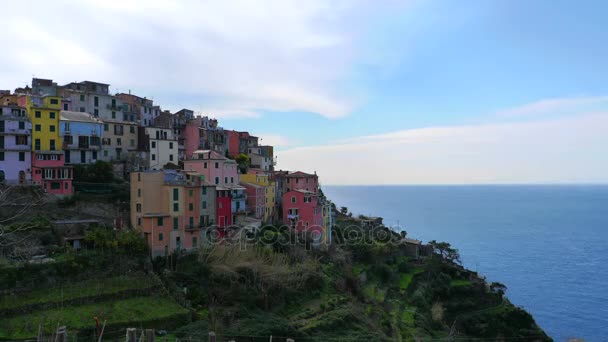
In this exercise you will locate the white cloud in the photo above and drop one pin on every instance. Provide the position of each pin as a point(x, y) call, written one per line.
point(239, 56)
point(554, 106)
point(278, 141)
point(556, 150)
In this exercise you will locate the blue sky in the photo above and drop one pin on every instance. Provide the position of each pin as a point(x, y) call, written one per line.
point(418, 91)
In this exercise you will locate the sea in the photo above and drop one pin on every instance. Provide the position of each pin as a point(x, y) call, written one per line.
point(547, 243)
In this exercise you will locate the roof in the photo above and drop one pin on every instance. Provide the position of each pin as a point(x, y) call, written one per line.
point(300, 174)
point(252, 185)
point(67, 115)
point(411, 241)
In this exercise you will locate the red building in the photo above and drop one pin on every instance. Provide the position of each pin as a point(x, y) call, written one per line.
point(223, 207)
point(301, 180)
point(237, 142)
point(302, 210)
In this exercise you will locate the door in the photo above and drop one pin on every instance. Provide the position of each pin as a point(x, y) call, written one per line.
point(222, 221)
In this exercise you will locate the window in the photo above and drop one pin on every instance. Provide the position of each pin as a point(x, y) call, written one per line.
point(118, 129)
point(81, 97)
point(191, 223)
point(21, 156)
point(106, 127)
point(217, 180)
point(38, 114)
point(55, 185)
point(113, 115)
point(153, 144)
point(21, 125)
point(217, 165)
point(154, 157)
point(204, 190)
point(132, 129)
point(52, 128)
point(65, 106)
point(175, 223)
point(171, 145)
point(82, 109)
point(293, 199)
point(138, 191)
point(51, 115)
point(96, 112)
point(306, 199)
point(37, 145)
point(21, 140)
point(118, 141)
point(96, 101)
point(225, 179)
point(204, 204)
point(190, 192)
point(160, 236)
point(205, 165)
point(176, 194)
point(159, 222)
point(52, 141)
point(191, 207)
point(232, 180)
point(94, 155)
point(139, 177)
point(38, 128)
point(1, 155)
point(132, 142)
point(138, 207)
point(139, 221)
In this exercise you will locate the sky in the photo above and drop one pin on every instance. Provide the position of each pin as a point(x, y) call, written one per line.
point(363, 92)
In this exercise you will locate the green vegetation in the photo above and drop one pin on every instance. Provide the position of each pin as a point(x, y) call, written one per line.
point(67, 292)
point(459, 282)
point(134, 310)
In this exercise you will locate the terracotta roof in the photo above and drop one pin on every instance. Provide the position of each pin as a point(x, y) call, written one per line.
point(300, 174)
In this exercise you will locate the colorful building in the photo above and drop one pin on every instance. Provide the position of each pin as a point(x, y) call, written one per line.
point(256, 176)
point(119, 140)
point(301, 180)
point(302, 210)
point(48, 165)
point(165, 206)
point(255, 199)
point(162, 147)
point(81, 133)
point(15, 145)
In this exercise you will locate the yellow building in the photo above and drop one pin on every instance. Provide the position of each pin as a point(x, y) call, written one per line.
point(261, 179)
point(44, 113)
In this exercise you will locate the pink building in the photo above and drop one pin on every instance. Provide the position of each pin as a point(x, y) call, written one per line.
point(256, 199)
point(190, 138)
point(49, 170)
point(301, 180)
point(302, 210)
point(218, 170)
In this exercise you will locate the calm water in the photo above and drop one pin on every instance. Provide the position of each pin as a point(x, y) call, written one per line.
point(548, 244)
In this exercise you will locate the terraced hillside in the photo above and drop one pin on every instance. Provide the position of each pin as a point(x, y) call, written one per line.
point(129, 300)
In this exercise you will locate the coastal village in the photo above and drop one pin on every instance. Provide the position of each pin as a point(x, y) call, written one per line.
point(190, 178)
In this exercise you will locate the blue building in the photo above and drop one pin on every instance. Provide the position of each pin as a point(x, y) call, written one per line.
point(81, 136)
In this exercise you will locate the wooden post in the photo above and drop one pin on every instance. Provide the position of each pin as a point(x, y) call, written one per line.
point(150, 335)
point(211, 336)
point(61, 335)
point(102, 330)
point(131, 334)
point(40, 337)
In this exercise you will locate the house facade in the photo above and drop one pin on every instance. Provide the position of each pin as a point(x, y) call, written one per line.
point(162, 147)
point(302, 181)
point(15, 145)
point(81, 134)
point(48, 165)
point(302, 211)
point(256, 198)
point(165, 208)
point(119, 140)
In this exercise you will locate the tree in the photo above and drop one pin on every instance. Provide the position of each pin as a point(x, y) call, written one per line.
point(343, 210)
point(445, 251)
point(15, 228)
point(498, 288)
point(244, 161)
point(99, 172)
